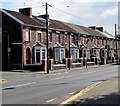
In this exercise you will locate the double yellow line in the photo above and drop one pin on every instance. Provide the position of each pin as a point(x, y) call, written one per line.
point(79, 93)
point(3, 80)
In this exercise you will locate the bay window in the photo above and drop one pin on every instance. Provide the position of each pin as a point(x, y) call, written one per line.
point(74, 53)
point(40, 54)
point(96, 52)
point(86, 53)
point(59, 54)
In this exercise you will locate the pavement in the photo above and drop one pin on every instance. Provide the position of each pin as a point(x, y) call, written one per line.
point(106, 92)
point(61, 70)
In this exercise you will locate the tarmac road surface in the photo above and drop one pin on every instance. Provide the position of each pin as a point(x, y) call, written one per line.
point(31, 88)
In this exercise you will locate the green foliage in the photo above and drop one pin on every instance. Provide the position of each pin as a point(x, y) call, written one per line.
point(92, 55)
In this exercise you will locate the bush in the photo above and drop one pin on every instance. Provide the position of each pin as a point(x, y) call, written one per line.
point(92, 55)
point(78, 60)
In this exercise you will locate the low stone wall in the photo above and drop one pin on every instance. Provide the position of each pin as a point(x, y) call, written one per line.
point(76, 65)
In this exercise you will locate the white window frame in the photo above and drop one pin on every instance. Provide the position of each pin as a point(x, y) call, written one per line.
point(73, 52)
point(96, 52)
point(41, 51)
point(87, 53)
point(60, 55)
point(39, 37)
point(27, 35)
point(57, 38)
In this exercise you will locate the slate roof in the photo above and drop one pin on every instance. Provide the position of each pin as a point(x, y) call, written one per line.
point(27, 20)
point(56, 25)
point(91, 31)
point(106, 34)
point(76, 28)
point(59, 25)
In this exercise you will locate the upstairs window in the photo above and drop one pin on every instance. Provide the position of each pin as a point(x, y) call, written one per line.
point(84, 40)
point(57, 38)
point(50, 37)
point(39, 37)
point(102, 42)
point(98, 43)
point(27, 35)
point(73, 39)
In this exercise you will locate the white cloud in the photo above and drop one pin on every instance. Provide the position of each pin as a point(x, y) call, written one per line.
point(85, 9)
point(110, 29)
point(109, 12)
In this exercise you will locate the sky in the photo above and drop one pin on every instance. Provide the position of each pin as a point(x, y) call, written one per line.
point(103, 13)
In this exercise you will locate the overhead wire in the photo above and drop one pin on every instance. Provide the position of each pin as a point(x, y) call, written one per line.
point(67, 13)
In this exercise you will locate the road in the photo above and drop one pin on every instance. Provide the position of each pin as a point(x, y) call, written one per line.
point(29, 88)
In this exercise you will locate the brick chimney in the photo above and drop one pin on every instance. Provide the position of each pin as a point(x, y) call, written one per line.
point(43, 16)
point(26, 11)
point(100, 29)
point(92, 27)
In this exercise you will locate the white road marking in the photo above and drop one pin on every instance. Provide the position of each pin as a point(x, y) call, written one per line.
point(19, 85)
point(61, 77)
point(57, 78)
point(88, 72)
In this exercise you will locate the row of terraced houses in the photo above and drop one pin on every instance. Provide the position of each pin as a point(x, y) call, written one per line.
point(24, 43)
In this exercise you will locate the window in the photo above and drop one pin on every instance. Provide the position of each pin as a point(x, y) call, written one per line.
point(66, 38)
point(102, 42)
point(50, 37)
point(95, 41)
point(72, 54)
point(84, 40)
point(37, 56)
point(98, 42)
point(43, 54)
point(57, 38)
point(59, 54)
point(88, 54)
point(62, 54)
point(27, 35)
point(73, 39)
point(94, 52)
point(84, 53)
point(40, 54)
point(76, 54)
point(39, 37)
point(28, 56)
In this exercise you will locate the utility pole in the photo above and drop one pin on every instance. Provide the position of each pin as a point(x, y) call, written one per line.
point(47, 37)
point(69, 53)
point(116, 44)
